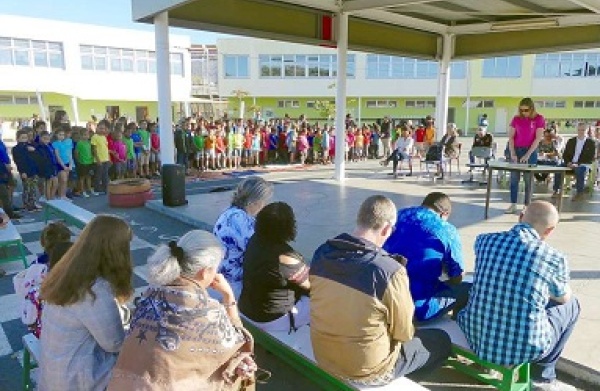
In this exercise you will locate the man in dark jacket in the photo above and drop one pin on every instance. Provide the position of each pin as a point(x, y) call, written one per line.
point(579, 153)
point(361, 310)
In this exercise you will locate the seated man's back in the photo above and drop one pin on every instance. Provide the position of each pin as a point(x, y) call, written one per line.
point(432, 247)
point(361, 310)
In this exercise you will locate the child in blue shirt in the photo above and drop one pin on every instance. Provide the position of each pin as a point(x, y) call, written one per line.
point(63, 151)
point(47, 165)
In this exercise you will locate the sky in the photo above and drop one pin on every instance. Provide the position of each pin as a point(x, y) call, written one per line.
point(113, 13)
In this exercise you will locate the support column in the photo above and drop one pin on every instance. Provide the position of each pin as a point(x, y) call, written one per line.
point(468, 100)
point(40, 101)
point(441, 101)
point(359, 119)
point(75, 108)
point(187, 109)
point(242, 108)
point(340, 98)
point(163, 78)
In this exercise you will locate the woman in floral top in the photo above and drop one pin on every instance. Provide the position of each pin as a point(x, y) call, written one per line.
point(235, 226)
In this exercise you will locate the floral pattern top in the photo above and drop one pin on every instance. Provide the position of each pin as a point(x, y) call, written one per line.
point(234, 228)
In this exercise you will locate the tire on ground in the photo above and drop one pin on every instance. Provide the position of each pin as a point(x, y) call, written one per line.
point(132, 200)
point(129, 186)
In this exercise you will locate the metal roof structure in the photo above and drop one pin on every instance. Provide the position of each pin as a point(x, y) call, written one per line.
point(479, 28)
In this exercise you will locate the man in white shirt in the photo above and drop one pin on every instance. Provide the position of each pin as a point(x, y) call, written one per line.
point(402, 151)
point(579, 154)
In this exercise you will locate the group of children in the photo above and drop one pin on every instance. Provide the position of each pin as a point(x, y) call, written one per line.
point(76, 161)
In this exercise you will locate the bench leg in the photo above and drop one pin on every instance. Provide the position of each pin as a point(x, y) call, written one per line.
point(26, 370)
point(23, 254)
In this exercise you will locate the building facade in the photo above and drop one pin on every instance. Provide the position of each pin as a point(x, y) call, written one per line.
point(284, 78)
point(85, 70)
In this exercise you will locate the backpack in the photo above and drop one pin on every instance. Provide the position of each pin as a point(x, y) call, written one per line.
point(434, 153)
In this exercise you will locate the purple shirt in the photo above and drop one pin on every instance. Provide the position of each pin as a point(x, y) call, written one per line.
point(525, 129)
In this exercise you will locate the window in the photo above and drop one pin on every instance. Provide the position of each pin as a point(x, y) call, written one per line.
point(236, 67)
point(390, 67)
point(101, 58)
point(552, 65)
point(420, 104)
point(25, 52)
point(551, 104)
point(506, 67)
point(382, 104)
point(588, 104)
point(18, 100)
point(310, 104)
point(288, 104)
point(299, 66)
point(485, 104)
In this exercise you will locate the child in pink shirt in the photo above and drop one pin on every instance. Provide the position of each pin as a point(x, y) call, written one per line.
point(118, 154)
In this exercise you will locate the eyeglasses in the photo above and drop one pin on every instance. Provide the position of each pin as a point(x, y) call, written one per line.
point(523, 111)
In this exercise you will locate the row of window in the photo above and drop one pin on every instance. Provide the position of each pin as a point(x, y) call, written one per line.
point(18, 100)
point(567, 65)
point(390, 67)
point(27, 52)
point(102, 58)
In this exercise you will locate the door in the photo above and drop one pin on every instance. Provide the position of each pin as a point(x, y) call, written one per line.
point(141, 113)
point(501, 121)
point(451, 115)
point(112, 113)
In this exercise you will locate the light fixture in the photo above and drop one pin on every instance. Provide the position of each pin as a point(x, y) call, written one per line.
point(527, 24)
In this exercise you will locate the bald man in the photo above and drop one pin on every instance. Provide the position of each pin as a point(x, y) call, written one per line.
point(520, 307)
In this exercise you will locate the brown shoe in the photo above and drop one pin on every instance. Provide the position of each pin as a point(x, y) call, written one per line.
point(578, 197)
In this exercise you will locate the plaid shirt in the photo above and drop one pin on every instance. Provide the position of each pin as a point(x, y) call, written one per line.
point(516, 272)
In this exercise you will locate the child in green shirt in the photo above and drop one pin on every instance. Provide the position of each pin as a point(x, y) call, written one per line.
point(199, 143)
point(84, 160)
point(130, 171)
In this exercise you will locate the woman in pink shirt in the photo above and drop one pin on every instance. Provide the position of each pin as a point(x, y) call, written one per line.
point(525, 133)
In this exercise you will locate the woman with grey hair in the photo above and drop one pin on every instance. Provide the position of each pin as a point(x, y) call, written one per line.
point(235, 226)
point(180, 338)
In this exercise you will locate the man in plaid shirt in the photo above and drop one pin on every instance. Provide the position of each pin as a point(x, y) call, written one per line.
point(520, 307)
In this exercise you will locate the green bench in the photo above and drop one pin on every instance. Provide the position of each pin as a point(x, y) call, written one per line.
point(67, 211)
point(31, 350)
point(11, 238)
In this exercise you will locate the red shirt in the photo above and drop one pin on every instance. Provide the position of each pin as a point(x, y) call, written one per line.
point(248, 141)
point(155, 141)
point(420, 135)
point(219, 144)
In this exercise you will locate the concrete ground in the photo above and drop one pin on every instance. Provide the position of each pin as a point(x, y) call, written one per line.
point(324, 209)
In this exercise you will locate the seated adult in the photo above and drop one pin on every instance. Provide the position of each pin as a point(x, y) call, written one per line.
point(448, 140)
point(548, 154)
point(481, 139)
point(521, 308)
point(580, 152)
point(402, 150)
point(82, 326)
point(235, 226)
point(180, 338)
point(361, 309)
point(432, 247)
point(275, 289)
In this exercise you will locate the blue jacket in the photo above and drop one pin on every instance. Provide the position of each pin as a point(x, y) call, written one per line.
point(24, 159)
point(4, 158)
point(46, 161)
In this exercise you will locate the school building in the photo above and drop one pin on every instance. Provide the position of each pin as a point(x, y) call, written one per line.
point(276, 78)
point(86, 70)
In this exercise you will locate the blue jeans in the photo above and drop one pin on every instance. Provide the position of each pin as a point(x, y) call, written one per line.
point(562, 319)
point(515, 176)
point(397, 156)
point(579, 172)
point(453, 298)
point(182, 158)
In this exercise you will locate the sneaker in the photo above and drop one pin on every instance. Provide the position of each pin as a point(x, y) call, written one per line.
point(555, 194)
point(554, 385)
point(94, 193)
point(512, 209)
point(85, 194)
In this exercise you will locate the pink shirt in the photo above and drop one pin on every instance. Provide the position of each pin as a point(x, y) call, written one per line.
point(120, 148)
point(525, 129)
point(155, 140)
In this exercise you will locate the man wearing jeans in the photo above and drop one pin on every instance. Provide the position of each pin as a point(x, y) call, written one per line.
point(433, 249)
point(579, 153)
point(101, 157)
point(361, 311)
point(521, 308)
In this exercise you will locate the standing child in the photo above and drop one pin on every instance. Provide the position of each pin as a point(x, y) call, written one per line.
point(359, 144)
point(101, 157)
point(23, 155)
point(137, 146)
point(199, 143)
point(47, 165)
point(209, 149)
point(144, 157)
point(84, 163)
point(220, 148)
point(154, 149)
point(131, 160)
point(63, 151)
point(118, 154)
point(256, 147)
point(302, 146)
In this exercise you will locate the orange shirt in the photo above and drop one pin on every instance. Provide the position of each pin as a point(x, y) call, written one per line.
point(210, 142)
point(430, 135)
point(248, 141)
